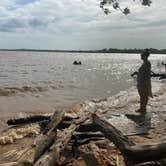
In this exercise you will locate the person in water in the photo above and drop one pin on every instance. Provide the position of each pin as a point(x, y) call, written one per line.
point(144, 81)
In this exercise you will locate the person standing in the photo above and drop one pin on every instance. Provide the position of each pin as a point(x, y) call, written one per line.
point(144, 82)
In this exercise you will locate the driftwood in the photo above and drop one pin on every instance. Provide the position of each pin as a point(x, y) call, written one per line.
point(27, 120)
point(66, 122)
point(50, 158)
point(43, 142)
point(143, 153)
point(85, 135)
point(35, 119)
point(88, 140)
point(85, 127)
point(131, 152)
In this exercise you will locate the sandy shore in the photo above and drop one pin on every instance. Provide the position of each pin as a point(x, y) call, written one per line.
point(121, 104)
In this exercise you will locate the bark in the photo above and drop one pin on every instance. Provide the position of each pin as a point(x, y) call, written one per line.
point(88, 140)
point(84, 135)
point(112, 133)
point(27, 120)
point(132, 153)
point(85, 127)
point(50, 158)
point(143, 153)
point(55, 120)
point(43, 142)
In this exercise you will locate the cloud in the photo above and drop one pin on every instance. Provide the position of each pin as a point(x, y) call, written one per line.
point(24, 2)
point(20, 25)
point(10, 25)
point(80, 21)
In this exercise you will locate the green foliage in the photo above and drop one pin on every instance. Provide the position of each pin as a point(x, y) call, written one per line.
point(116, 5)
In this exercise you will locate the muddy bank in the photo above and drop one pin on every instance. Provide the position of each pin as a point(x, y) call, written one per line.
point(120, 111)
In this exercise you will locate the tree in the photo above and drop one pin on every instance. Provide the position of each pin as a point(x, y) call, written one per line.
point(116, 5)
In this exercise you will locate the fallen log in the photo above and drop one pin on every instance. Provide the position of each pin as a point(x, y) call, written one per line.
point(53, 154)
point(43, 124)
point(35, 119)
point(84, 135)
point(143, 153)
point(27, 120)
point(88, 140)
point(131, 152)
point(85, 127)
point(112, 133)
point(63, 124)
point(43, 142)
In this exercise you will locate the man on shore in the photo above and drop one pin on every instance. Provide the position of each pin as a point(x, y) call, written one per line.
point(144, 81)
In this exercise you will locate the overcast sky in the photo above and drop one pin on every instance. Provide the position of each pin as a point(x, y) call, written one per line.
point(80, 24)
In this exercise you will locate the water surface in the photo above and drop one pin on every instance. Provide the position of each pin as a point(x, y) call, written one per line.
point(41, 81)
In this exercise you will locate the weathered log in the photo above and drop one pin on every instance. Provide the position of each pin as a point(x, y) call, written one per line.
point(55, 120)
point(66, 122)
point(43, 124)
point(131, 152)
point(27, 120)
point(85, 127)
point(43, 142)
point(112, 133)
point(84, 135)
point(143, 153)
point(35, 119)
point(50, 158)
point(87, 140)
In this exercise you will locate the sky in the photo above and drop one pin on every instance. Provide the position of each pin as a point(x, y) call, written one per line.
point(80, 25)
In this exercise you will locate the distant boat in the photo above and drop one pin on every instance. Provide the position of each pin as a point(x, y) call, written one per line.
point(77, 63)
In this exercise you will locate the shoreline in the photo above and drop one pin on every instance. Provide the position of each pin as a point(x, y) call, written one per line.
point(110, 50)
point(125, 102)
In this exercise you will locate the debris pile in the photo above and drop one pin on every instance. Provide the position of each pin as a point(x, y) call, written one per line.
point(91, 135)
point(83, 139)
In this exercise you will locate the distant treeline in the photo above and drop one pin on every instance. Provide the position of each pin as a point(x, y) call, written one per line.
point(105, 50)
point(135, 50)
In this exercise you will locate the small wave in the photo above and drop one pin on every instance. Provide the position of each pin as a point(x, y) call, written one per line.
point(9, 91)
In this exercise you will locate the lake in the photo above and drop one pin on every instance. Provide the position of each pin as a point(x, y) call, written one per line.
point(42, 81)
